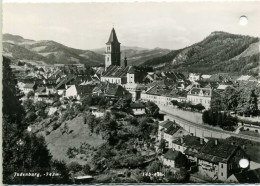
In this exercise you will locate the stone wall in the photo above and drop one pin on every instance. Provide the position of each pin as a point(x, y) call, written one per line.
point(195, 117)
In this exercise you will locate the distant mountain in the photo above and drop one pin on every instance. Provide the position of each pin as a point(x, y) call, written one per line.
point(219, 52)
point(137, 55)
point(46, 51)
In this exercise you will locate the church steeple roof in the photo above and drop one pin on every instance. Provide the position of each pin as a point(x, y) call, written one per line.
point(112, 38)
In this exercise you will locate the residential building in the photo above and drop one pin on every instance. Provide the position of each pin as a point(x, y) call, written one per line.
point(202, 96)
point(194, 77)
point(246, 78)
point(174, 159)
point(28, 87)
point(189, 145)
point(138, 109)
point(162, 95)
point(111, 91)
point(79, 91)
point(168, 131)
point(219, 159)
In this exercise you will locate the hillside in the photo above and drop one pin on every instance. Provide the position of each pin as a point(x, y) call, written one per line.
point(219, 52)
point(57, 141)
point(137, 55)
point(17, 48)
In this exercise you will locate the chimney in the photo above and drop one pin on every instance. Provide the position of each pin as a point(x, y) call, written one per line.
point(181, 140)
point(216, 141)
point(201, 141)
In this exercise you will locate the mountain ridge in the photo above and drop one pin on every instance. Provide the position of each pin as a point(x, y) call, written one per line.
point(51, 52)
point(218, 52)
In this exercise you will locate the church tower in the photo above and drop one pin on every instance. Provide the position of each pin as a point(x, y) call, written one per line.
point(112, 54)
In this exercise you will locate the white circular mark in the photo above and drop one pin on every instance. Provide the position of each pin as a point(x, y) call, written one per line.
point(244, 163)
point(29, 129)
point(243, 20)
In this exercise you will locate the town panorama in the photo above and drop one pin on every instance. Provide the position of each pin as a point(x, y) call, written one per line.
point(166, 119)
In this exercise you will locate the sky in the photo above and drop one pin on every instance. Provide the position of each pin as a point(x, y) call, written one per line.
point(171, 25)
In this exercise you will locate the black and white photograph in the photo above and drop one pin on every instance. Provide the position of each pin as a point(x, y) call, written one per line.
point(131, 92)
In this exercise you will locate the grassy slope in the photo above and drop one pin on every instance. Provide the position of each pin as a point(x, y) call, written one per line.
point(59, 143)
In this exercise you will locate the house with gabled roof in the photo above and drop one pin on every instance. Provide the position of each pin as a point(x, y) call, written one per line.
point(138, 109)
point(168, 131)
point(174, 159)
point(246, 78)
point(79, 91)
point(219, 159)
point(163, 95)
point(65, 83)
point(28, 87)
point(189, 145)
point(111, 91)
point(202, 96)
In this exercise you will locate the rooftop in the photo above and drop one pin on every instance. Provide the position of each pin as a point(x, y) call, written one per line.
point(172, 155)
point(219, 152)
point(190, 142)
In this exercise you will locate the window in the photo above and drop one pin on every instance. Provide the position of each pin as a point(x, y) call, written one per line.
point(221, 173)
point(108, 59)
point(222, 166)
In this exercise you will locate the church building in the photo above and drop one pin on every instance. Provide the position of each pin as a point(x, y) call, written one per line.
point(113, 53)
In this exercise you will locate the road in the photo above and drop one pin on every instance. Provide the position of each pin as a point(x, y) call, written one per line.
point(210, 128)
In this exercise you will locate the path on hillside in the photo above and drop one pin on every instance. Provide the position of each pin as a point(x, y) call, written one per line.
point(208, 127)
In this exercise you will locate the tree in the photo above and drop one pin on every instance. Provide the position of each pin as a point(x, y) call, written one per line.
point(30, 94)
point(30, 116)
point(253, 103)
point(199, 107)
point(175, 102)
point(162, 145)
point(205, 117)
point(152, 109)
point(90, 120)
point(28, 105)
point(215, 104)
point(86, 169)
point(102, 104)
point(74, 167)
point(154, 167)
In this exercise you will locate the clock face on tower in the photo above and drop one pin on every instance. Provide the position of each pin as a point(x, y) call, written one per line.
point(113, 53)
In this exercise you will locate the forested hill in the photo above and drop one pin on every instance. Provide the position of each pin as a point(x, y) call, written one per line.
point(47, 51)
point(219, 52)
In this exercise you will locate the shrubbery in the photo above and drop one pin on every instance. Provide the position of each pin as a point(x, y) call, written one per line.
point(220, 119)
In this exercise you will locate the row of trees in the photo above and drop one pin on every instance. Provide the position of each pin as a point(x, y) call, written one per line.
point(242, 100)
point(188, 105)
point(218, 118)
